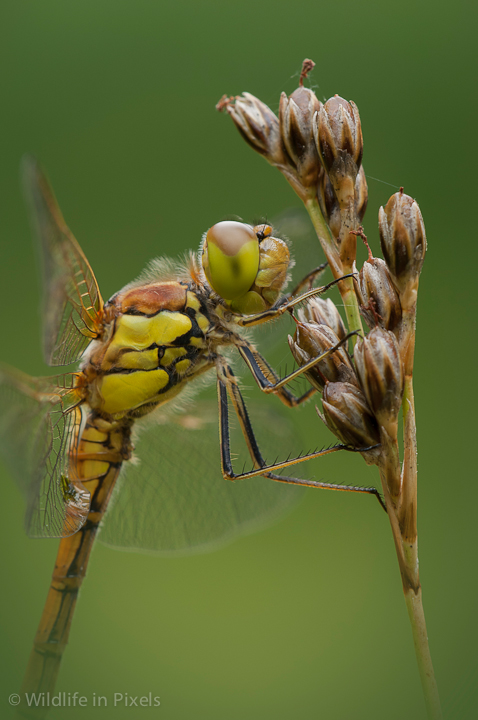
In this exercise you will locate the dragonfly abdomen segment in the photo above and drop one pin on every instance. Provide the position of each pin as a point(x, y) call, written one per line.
point(101, 450)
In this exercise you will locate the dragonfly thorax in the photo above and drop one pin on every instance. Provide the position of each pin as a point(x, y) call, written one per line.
point(154, 341)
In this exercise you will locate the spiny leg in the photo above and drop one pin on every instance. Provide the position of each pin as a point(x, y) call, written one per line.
point(265, 376)
point(227, 385)
point(279, 310)
point(250, 355)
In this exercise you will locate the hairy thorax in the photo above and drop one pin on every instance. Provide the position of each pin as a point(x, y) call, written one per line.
point(155, 339)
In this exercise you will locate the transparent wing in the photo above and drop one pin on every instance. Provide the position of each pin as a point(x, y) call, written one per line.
point(174, 499)
point(72, 303)
point(39, 426)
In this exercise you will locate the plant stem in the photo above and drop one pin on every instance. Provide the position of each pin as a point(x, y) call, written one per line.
point(408, 502)
point(422, 651)
point(346, 287)
point(399, 483)
point(325, 236)
point(402, 510)
point(407, 555)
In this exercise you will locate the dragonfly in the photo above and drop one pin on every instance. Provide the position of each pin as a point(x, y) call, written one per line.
point(74, 439)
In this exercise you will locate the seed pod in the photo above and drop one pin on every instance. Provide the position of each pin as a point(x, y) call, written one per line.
point(311, 340)
point(348, 415)
point(323, 312)
point(378, 296)
point(380, 371)
point(257, 124)
point(361, 194)
point(296, 125)
point(328, 203)
point(338, 135)
point(403, 239)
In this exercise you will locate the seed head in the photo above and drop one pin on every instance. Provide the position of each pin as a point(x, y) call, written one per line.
point(328, 203)
point(338, 135)
point(348, 415)
point(296, 125)
point(380, 372)
point(311, 340)
point(257, 124)
point(378, 295)
point(323, 312)
point(403, 239)
point(361, 194)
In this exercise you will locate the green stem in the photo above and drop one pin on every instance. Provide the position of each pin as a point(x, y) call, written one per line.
point(407, 555)
point(422, 651)
point(352, 312)
point(406, 518)
point(325, 236)
point(346, 287)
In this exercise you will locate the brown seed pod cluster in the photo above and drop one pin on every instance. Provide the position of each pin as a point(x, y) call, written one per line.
point(362, 394)
point(318, 147)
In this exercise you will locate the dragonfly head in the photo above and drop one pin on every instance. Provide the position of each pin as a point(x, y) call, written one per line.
point(245, 265)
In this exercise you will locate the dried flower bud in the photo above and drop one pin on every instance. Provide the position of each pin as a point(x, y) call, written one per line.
point(323, 312)
point(296, 125)
point(311, 340)
point(349, 417)
point(403, 239)
point(329, 204)
point(361, 194)
point(380, 371)
point(257, 124)
point(378, 297)
point(338, 134)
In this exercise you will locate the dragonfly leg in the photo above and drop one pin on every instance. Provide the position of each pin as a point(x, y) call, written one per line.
point(227, 386)
point(266, 377)
point(260, 370)
point(286, 305)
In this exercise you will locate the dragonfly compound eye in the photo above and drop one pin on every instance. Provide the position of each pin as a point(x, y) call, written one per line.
point(230, 258)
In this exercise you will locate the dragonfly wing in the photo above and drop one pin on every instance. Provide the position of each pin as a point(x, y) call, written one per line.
point(39, 423)
point(72, 304)
point(174, 499)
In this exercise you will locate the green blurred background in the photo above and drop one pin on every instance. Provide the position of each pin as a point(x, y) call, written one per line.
point(306, 619)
